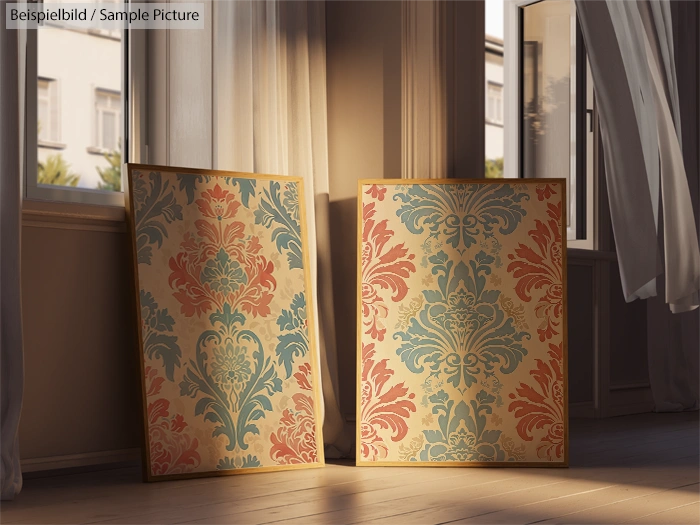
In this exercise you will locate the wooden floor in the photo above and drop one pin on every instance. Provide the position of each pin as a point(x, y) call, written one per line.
point(634, 469)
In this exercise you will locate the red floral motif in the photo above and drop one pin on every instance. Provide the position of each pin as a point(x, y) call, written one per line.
point(218, 204)
point(172, 449)
point(383, 406)
point(545, 191)
point(295, 440)
point(376, 192)
point(540, 268)
point(220, 249)
point(383, 268)
point(302, 376)
point(544, 408)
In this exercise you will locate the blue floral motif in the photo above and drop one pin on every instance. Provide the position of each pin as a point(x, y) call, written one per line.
point(235, 393)
point(459, 213)
point(283, 213)
point(461, 331)
point(228, 463)
point(247, 187)
point(154, 202)
point(223, 274)
point(462, 434)
point(294, 339)
point(231, 367)
point(156, 327)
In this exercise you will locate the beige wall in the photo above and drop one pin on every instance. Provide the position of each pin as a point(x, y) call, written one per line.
point(81, 384)
point(364, 141)
point(364, 130)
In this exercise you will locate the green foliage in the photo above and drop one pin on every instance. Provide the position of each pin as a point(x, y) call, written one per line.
point(112, 175)
point(494, 168)
point(55, 170)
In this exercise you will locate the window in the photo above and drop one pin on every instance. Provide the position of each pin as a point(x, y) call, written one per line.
point(494, 103)
point(108, 112)
point(48, 112)
point(550, 95)
point(76, 142)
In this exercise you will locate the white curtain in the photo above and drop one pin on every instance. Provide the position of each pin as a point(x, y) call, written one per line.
point(270, 93)
point(673, 341)
point(12, 56)
point(423, 89)
point(633, 63)
point(630, 46)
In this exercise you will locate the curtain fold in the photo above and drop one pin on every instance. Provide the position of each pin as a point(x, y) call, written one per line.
point(631, 51)
point(633, 54)
point(423, 89)
point(270, 88)
point(12, 56)
point(673, 340)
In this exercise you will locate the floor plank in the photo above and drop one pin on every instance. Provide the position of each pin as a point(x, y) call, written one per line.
point(637, 469)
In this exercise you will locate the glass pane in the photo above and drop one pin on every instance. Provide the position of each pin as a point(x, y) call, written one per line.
point(43, 118)
point(108, 130)
point(80, 62)
point(493, 133)
point(546, 89)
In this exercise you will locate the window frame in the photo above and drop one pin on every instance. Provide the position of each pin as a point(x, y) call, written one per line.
point(132, 53)
point(100, 110)
point(489, 120)
point(581, 175)
point(54, 107)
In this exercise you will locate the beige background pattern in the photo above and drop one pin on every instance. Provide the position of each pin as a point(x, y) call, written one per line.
point(462, 353)
point(228, 364)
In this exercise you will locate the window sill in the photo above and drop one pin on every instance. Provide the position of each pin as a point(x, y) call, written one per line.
point(94, 150)
point(582, 254)
point(71, 216)
point(51, 145)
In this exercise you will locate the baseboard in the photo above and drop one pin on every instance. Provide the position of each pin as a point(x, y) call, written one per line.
point(629, 399)
point(129, 455)
point(628, 410)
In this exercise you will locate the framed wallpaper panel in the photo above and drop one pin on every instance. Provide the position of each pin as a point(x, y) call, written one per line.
point(225, 324)
point(462, 323)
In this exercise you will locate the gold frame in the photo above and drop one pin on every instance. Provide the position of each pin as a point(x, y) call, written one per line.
point(145, 448)
point(565, 332)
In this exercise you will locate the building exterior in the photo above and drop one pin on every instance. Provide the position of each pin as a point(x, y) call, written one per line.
point(79, 106)
point(80, 109)
point(493, 134)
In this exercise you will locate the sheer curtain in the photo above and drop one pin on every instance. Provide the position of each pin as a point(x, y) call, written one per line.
point(674, 339)
point(11, 354)
point(633, 62)
point(423, 89)
point(270, 92)
point(630, 46)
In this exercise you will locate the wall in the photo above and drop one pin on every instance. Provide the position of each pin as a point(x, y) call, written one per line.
point(363, 53)
point(77, 81)
point(81, 402)
point(363, 50)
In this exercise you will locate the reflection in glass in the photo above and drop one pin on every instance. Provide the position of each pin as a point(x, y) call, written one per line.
point(547, 50)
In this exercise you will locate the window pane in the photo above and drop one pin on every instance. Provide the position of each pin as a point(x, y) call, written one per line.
point(546, 89)
point(80, 62)
point(44, 121)
point(108, 130)
point(493, 133)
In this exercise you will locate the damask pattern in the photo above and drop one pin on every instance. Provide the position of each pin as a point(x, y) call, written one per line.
point(462, 305)
point(224, 322)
